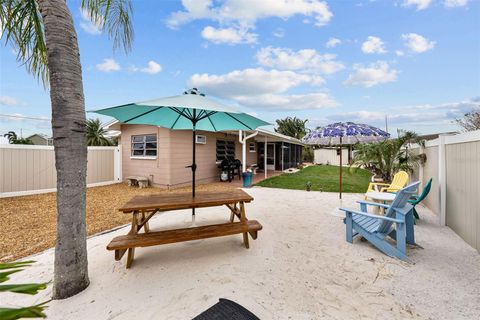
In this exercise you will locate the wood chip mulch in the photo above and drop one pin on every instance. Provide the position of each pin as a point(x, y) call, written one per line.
point(29, 222)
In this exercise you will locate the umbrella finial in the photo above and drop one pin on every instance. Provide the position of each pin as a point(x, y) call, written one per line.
point(194, 91)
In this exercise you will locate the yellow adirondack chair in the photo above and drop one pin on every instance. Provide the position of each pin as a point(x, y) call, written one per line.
point(400, 180)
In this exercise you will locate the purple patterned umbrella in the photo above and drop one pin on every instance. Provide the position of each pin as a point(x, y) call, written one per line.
point(345, 133)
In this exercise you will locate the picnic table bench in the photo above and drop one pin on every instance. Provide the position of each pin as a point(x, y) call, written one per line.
point(143, 208)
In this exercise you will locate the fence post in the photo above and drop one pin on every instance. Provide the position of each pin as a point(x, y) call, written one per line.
point(117, 166)
point(442, 180)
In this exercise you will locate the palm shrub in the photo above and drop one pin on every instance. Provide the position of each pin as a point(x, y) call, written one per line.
point(388, 157)
point(36, 311)
point(96, 134)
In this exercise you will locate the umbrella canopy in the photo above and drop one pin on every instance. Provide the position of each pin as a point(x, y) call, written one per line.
point(189, 111)
point(345, 133)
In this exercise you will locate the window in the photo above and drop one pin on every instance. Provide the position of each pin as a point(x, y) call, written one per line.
point(225, 150)
point(144, 146)
point(252, 147)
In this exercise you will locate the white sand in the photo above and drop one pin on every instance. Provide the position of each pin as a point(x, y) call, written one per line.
point(300, 267)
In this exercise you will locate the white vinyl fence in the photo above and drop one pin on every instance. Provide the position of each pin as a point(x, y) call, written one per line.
point(30, 169)
point(453, 161)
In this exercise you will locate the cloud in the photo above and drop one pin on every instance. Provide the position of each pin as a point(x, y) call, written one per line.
point(151, 68)
point(274, 102)
point(420, 4)
point(399, 53)
point(279, 33)
point(264, 89)
point(88, 25)
point(8, 101)
point(247, 13)
point(373, 45)
point(243, 15)
point(417, 43)
point(108, 65)
point(455, 3)
point(372, 75)
point(305, 59)
point(228, 35)
point(248, 82)
point(333, 42)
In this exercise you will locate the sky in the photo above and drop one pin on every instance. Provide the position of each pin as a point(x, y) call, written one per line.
point(415, 63)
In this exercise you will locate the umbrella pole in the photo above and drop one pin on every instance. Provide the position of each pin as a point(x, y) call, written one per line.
point(341, 168)
point(194, 168)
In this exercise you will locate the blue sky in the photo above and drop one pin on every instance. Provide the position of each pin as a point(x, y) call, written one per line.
point(415, 61)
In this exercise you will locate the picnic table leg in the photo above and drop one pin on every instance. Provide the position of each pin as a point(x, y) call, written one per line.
point(243, 218)
point(146, 226)
point(134, 230)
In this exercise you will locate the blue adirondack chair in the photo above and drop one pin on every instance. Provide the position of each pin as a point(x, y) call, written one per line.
point(397, 223)
point(414, 200)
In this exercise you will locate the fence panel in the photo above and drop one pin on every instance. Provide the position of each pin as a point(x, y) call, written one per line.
point(26, 169)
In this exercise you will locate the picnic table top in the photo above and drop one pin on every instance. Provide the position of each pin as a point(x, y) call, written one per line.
point(381, 196)
point(176, 201)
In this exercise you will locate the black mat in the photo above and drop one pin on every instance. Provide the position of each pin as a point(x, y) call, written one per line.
point(226, 309)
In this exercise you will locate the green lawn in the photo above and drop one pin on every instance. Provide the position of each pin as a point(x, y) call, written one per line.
point(323, 178)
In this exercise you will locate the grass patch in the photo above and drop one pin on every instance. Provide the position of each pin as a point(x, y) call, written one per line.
point(323, 178)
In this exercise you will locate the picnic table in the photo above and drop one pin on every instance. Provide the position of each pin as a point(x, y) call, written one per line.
point(143, 208)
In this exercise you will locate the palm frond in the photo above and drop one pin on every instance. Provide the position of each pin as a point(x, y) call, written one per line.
point(114, 17)
point(23, 30)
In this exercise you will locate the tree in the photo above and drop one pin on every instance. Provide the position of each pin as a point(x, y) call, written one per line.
point(470, 121)
point(43, 35)
point(96, 134)
point(293, 127)
point(388, 157)
point(14, 139)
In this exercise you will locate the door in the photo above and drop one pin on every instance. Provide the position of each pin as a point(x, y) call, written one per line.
point(270, 156)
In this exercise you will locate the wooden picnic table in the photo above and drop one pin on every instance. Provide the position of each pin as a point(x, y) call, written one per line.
point(143, 208)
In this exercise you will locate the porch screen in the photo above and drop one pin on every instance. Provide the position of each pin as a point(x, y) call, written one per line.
point(144, 145)
point(225, 149)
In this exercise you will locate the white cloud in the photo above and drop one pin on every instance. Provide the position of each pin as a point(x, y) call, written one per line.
point(228, 35)
point(305, 59)
point(417, 43)
point(373, 45)
point(248, 82)
point(399, 53)
point(8, 101)
point(333, 42)
point(88, 25)
point(248, 12)
point(372, 75)
point(420, 4)
point(108, 65)
point(279, 33)
point(274, 102)
point(455, 3)
point(152, 68)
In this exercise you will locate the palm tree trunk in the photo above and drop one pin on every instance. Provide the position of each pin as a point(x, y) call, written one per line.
point(68, 125)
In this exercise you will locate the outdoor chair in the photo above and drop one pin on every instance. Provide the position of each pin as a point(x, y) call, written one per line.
point(237, 169)
point(400, 180)
point(416, 199)
point(397, 223)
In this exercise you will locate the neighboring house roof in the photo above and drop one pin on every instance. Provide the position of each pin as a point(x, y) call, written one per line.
point(40, 135)
point(434, 136)
point(271, 135)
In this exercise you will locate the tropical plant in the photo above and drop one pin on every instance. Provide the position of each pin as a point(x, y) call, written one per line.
point(14, 139)
point(36, 311)
point(292, 127)
point(96, 134)
point(470, 121)
point(388, 157)
point(43, 35)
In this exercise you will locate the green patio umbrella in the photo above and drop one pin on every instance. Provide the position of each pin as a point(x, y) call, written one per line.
point(189, 111)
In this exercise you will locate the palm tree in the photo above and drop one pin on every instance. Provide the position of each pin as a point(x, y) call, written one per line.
point(11, 136)
point(96, 134)
point(44, 37)
point(388, 157)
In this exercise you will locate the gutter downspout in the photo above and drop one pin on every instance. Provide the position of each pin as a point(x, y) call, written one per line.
point(243, 141)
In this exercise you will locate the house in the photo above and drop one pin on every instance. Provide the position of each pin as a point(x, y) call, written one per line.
point(40, 139)
point(162, 155)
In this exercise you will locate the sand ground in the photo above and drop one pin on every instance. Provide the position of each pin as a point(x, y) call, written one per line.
point(300, 267)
